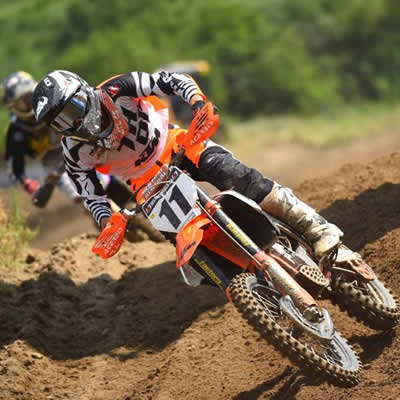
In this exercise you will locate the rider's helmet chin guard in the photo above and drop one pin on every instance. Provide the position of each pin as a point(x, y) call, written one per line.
point(16, 93)
point(72, 107)
point(117, 126)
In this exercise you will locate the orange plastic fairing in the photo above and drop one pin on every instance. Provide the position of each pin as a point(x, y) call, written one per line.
point(104, 169)
point(218, 242)
point(189, 238)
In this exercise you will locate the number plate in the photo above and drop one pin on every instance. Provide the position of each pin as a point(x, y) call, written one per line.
point(175, 204)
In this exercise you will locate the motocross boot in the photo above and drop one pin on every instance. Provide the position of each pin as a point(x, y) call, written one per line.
point(282, 203)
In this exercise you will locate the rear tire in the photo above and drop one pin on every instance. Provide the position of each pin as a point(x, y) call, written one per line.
point(258, 303)
point(369, 302)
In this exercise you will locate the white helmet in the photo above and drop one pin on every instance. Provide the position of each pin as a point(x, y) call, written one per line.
point(71, 106)
point(16, 92)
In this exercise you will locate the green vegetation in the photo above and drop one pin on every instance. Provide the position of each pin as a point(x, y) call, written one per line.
point(268, 57)
point(321, 130)
point(14, 231)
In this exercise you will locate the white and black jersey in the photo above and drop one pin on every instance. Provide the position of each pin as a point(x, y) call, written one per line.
point(140, 149)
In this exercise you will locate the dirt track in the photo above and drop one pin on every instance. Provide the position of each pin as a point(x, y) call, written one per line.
point(76, 327)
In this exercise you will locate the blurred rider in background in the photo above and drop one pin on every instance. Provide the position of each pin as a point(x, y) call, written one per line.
point(122, 126)
point(26, 136)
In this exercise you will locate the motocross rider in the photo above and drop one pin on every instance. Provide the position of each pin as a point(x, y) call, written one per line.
point(26, 136)
point(117, 126)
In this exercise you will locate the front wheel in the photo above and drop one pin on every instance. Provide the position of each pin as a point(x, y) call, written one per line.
point(258, 302)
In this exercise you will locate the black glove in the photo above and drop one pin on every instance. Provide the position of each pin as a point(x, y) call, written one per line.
point(199, 104)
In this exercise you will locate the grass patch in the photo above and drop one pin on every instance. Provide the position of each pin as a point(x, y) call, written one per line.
point(323, 130)
point(15, 234)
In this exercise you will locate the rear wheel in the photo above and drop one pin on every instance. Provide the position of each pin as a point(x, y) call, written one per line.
point(370, 302)
point(258, 303)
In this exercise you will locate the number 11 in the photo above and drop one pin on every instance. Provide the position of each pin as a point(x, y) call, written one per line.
point(177, 197)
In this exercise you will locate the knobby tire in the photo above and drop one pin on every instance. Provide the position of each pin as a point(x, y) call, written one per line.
point(344, 372)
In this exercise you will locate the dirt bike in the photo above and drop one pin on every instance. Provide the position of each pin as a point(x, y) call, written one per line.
point(266, 269)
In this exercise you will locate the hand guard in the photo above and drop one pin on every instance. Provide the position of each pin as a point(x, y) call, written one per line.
point(111, 238)
point(204, 124)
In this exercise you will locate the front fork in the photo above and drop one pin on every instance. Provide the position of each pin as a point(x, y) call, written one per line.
point(283, 281)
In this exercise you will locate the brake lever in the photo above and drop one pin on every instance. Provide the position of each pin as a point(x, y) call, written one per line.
point(129, 214)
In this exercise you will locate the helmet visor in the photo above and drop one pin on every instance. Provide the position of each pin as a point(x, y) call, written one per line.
point(70, 117)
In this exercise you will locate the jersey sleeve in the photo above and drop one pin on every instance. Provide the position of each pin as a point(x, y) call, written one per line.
point(85, 180)
point(142, 84)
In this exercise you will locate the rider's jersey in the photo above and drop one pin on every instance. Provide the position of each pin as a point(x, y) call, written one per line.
point(140, 149)
point(27, 137)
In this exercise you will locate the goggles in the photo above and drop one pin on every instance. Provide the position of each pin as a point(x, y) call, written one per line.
point(22, 107)
point(71, 116)
point(23, 104)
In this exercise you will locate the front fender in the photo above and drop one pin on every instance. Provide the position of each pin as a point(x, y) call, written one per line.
point(188, 239)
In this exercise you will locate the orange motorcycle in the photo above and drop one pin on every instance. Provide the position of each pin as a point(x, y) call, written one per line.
point(266, 269)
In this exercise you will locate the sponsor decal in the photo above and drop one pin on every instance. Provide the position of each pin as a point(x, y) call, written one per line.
point(113, 90)
point(48, 82)
point(196, 138)
point(243, 239)
point(206, 268)
point(40, 105)
point(154, 184)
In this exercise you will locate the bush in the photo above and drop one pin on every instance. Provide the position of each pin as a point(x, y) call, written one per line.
point(267, 56)
point(15, 234)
